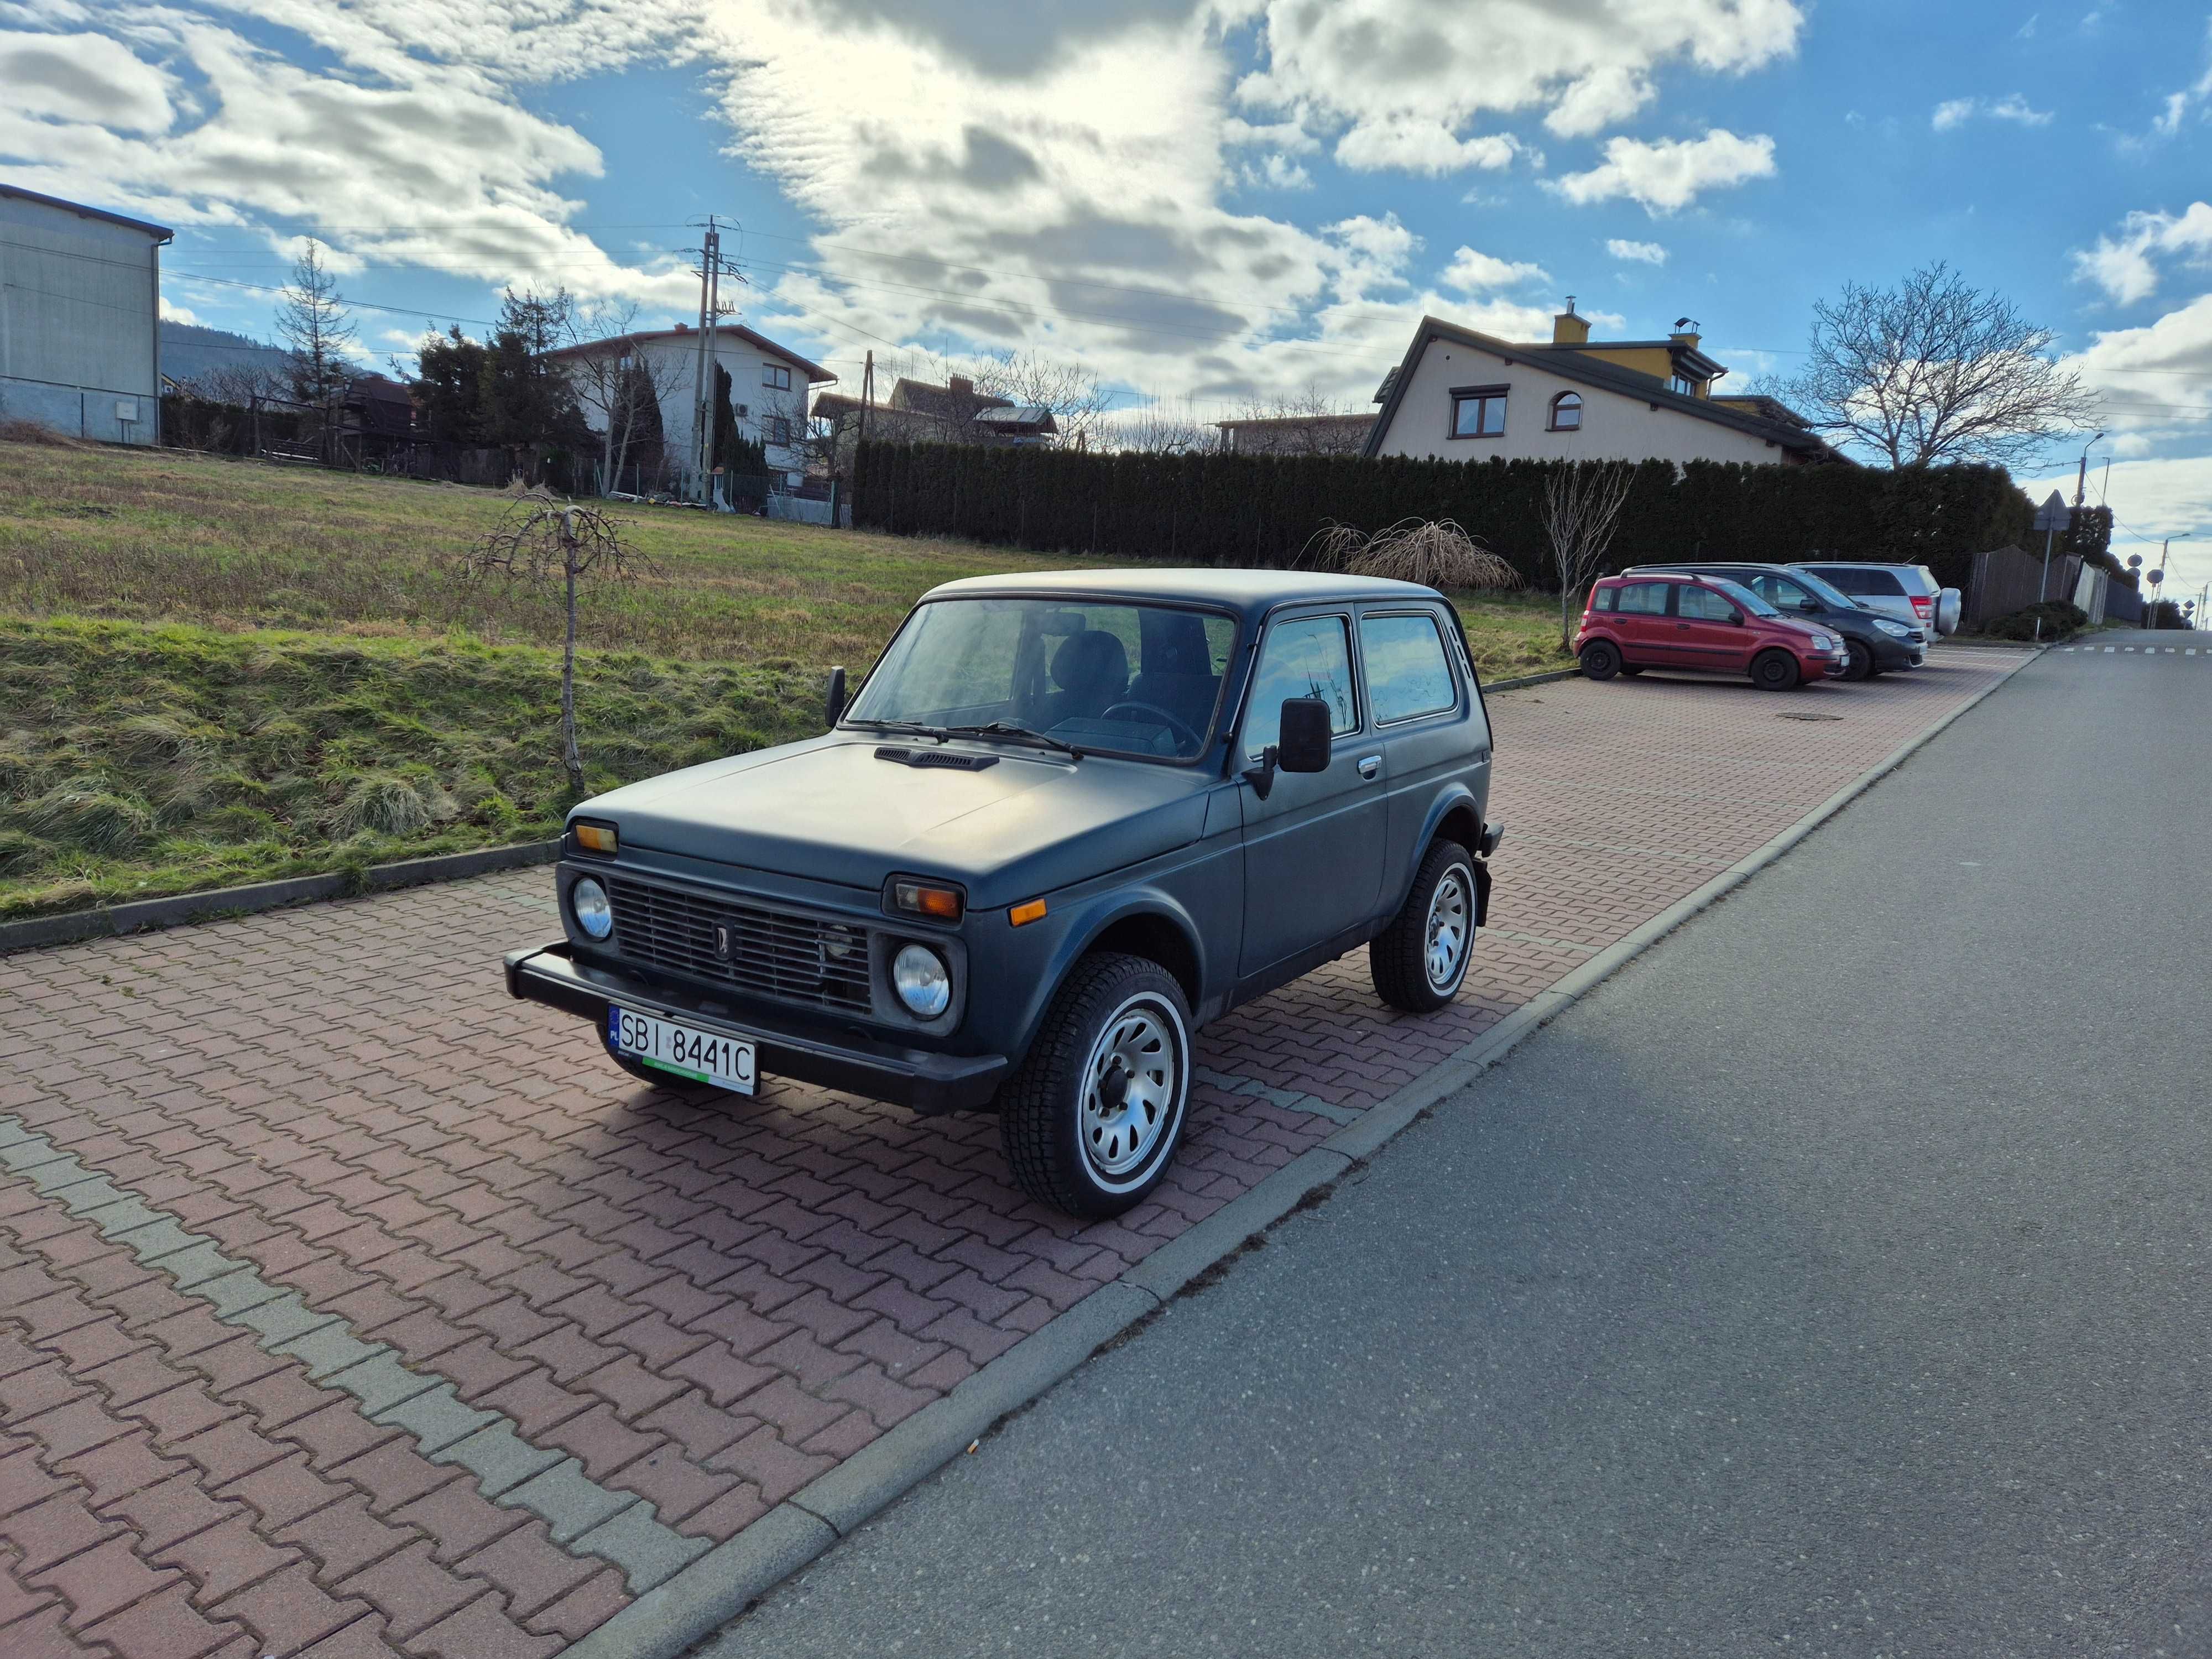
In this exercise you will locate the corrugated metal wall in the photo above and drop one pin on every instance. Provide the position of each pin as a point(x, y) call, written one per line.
point(79, 310)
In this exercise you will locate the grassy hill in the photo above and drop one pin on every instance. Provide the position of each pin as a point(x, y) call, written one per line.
point(215, 671)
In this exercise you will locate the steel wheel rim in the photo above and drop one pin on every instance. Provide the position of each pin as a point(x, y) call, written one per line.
point(1450, 921)
point(1132, 1085)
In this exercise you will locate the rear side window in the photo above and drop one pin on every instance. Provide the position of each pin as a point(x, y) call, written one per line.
point(1845, 579)
point(1407, 673)
point(1644, 599)
point(1883, 584)
point(1703, 605)
point(1603, 600)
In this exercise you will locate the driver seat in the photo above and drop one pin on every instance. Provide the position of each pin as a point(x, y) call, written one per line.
point(1092, 672)
point(1178, 673)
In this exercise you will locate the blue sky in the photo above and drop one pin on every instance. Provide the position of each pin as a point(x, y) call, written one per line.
point(1206, 201)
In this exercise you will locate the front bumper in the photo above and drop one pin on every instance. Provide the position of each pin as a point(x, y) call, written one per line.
point(914, 1078)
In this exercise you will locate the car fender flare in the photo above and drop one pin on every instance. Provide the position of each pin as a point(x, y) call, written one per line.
point(1448, 800)
point(1147, 905)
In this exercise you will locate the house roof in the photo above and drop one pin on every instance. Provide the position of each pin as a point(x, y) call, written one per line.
point(1571, 364)
point(161, 231)
point(1292, 422)
point(1008, 418)
point(948, 402)
point(815, 371)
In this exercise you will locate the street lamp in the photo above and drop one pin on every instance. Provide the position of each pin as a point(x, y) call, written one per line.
point(2082, 477)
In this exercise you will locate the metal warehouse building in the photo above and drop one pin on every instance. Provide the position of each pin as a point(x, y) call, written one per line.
point(80, 319)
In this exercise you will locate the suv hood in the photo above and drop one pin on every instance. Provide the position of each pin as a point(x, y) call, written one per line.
point(828, 810)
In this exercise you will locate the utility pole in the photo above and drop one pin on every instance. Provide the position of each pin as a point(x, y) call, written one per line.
point(2082, 477)
point(712, 268)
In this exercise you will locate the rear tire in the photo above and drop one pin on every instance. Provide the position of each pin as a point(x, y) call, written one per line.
point(1775, 671)
point(1601, 661)
point(1091, 1120)
point(1861, 665)
point(1419, 960)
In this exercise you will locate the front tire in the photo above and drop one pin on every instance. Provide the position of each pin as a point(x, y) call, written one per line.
point(1861, 665)
point(1601, 661)
point(1775, 671)
point(1092, 1121)
point(1419, 960)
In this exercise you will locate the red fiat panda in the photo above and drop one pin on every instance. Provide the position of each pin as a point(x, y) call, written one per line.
point(1705, 625)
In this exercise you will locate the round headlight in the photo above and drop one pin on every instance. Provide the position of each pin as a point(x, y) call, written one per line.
point(923, 984)
point(593, 913)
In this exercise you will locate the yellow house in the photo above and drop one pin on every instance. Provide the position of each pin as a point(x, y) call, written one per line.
point(1462, 395)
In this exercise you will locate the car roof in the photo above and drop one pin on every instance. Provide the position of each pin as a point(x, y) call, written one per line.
point(1692, 566)
point(1250, 592)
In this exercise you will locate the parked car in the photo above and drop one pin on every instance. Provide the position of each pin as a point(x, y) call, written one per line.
point(1704, 624)
point(1909, 592)
point(1066, 820)
point(1877, 644)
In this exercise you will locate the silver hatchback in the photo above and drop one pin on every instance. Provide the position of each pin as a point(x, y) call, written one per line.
point(1909, 592)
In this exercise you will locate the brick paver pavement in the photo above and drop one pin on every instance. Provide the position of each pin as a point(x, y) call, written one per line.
point(348, 1307)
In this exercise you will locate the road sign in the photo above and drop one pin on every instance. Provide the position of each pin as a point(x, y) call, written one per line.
point(2052, 515)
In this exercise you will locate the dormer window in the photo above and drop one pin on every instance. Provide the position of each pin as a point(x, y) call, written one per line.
point(1686, 388)
point(1567, 412)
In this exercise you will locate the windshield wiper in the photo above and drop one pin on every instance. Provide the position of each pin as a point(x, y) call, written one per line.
point(1008, 729)
point(914, 728)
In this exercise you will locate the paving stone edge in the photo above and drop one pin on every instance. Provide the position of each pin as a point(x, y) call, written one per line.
point(716, 1589)
point(142, 914)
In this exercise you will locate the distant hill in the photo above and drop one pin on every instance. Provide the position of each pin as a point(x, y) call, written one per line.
point(189, 351)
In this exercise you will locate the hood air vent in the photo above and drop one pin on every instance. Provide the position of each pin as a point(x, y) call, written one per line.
point(951, 759)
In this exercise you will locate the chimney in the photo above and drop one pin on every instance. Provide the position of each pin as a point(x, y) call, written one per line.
point(961, 386)
point(1686, 333)
point(1568, 329)
point(683, 328)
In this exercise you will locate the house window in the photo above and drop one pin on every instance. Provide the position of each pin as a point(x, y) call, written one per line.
point(1567, 412)
point(775, 377)
point(779, 430)
point(1687, 388)
point(1479, 412)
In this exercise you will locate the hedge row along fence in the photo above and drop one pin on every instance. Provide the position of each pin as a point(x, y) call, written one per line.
point(1217, 508)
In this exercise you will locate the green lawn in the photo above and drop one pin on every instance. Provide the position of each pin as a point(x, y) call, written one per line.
point(216, 672)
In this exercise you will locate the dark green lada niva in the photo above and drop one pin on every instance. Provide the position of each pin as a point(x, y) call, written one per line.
point(1066, 820)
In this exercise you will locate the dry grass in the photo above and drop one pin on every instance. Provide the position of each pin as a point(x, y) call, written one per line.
point(1436, 553)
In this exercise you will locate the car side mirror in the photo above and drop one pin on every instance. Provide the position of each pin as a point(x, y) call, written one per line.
point(1305, 739)
point(1736, 617)
point(1306, 735)
point(835, 705)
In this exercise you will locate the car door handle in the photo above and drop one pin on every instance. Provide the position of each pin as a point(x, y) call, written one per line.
point(1369, 766)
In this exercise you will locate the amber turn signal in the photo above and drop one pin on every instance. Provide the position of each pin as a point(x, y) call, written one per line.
point(942, 903)
point(1022, 914)
point(595, 837)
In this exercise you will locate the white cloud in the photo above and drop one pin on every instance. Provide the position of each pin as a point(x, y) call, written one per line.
point(1671, 173)
point(1381, 68)
point(1411, 145)
point(2013, 107)
point(178, 313)
point(1471, 272)
point(73, 78)
point(1647, 253)
point(2126, 266)
point(1276, 173)
point(2179, 104)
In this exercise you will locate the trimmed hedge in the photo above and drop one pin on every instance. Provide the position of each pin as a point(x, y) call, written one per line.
point(1216, 508)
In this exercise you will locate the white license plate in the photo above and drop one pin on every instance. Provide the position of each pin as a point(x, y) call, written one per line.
point(683, 1050)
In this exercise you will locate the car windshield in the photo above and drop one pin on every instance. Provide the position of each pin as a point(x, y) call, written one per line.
point(1826, 591)
point(1143, 680)
point(1743, 596)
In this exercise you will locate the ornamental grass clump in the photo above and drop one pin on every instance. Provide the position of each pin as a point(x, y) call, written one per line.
point(1436, 553)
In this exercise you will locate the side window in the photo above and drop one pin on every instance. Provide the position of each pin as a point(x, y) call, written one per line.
point(1847, 580)
point(1478, 412)
point(1703, 605)
point(1604, 599)
point(1408, 672)
point(1783, 594)
point(1883, 584)
point(1645, 598)
point(1306, 657)
point(1567, 412)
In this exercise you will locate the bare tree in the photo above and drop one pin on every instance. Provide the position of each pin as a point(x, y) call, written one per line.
point(538, 540)
point(1582, 508)
point(312, 319)
point(1934, 370)
point(625, 386)
point(1030, 379)
point(1155, 429)
point(1303, 423)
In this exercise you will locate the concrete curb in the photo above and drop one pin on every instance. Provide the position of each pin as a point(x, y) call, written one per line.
point(1489, 686)
point(722, 1584)
point(143, 914)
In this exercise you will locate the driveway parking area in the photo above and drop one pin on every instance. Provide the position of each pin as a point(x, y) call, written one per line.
point(348, 1307)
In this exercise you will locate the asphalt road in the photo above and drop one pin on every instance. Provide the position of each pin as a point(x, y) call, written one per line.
point(1835, 1280)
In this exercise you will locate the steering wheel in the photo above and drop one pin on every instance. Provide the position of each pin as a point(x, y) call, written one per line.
point(1182, 732)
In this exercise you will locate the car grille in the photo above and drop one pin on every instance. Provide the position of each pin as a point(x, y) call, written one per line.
point(773, 952)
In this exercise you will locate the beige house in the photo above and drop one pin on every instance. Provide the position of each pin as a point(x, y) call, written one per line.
point(1460, 395)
